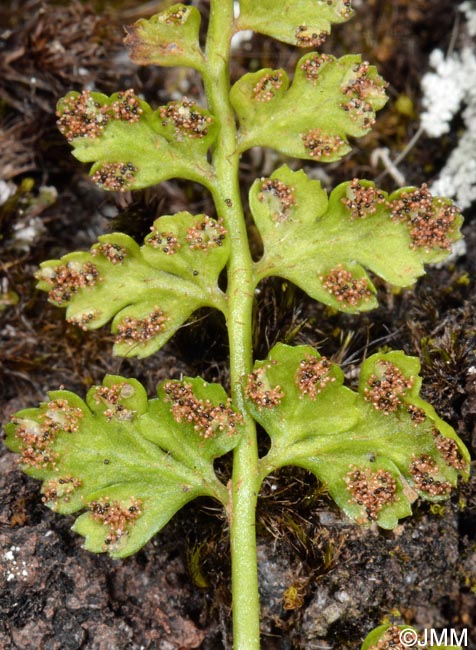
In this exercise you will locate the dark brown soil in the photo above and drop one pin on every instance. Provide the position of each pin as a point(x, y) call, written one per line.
point(337, 580)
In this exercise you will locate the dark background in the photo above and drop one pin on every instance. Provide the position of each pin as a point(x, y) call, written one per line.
point(340, 581)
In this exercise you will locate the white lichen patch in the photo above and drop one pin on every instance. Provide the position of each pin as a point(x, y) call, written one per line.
point(449, 89)
point(15, 569)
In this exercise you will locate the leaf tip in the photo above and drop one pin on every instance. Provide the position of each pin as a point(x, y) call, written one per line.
point(309, 37)
point(117, 517)
point(349, 291)
point(138, 331)
point(387, 387)
point(36, 437)
point(65, 280)
point(114, 253)
point(324, 147)
point(372, 490)
point(186, 118)
point(425, 474)
point(167, 38)
point(114, 176)
point(86, 114)
point(206, 233)
point(279, 197)
point(313, 375)
point(112, 400)
point(57, 492)
point(313, 64)
point(449, 451)
point(432, 222)
point(268, 84)
point(259, 390)
point(362, 199)
point(207, 419)
point(81, 116)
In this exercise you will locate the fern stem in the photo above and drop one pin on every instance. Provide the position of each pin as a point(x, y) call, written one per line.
point(226, 194)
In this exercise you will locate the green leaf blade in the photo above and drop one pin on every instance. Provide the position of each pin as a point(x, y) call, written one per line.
point(304, 23)
point(203, 410)
point(148, 291)
point(326, 246)
point(153, 515)
point(314, 396)
point(122, 457)
point(328, 101)
point(364, 479)
point(194, 247)
point(169, 38)
point(130, 145)
point(375, 450)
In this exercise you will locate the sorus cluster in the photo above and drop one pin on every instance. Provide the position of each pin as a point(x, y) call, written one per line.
point(112, 395)
point(38, 437)
point(36, 444)
point(308, 37)
point(206, 233)
point(267, 86)
point(141, 330)
point(126, 107)
point(115, 177)
point(82, 117)
point(430, 221)
point(320, 145)
point(372, 490)
point(449, 450)
point(362, 86)
point(61, 488)
point(166, 241)
point(423, 468)
point(282, 192)
point(385, 390)
point(417, 414)
point(362, 201)
point(84, 320)
point(174, 17)
point(207, 419)
point(346, 289)
point(313, 64)
point(113, 252)
point(360, 111)
point(313, 375)
point(346, 8)
point(343, 7)
point(67, 279)
point(61, 416)
point(259, 391)
point(186, 117)
point(116, 516)
point(359, 90)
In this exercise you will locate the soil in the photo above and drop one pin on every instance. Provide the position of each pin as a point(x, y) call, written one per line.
point(324, 582)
